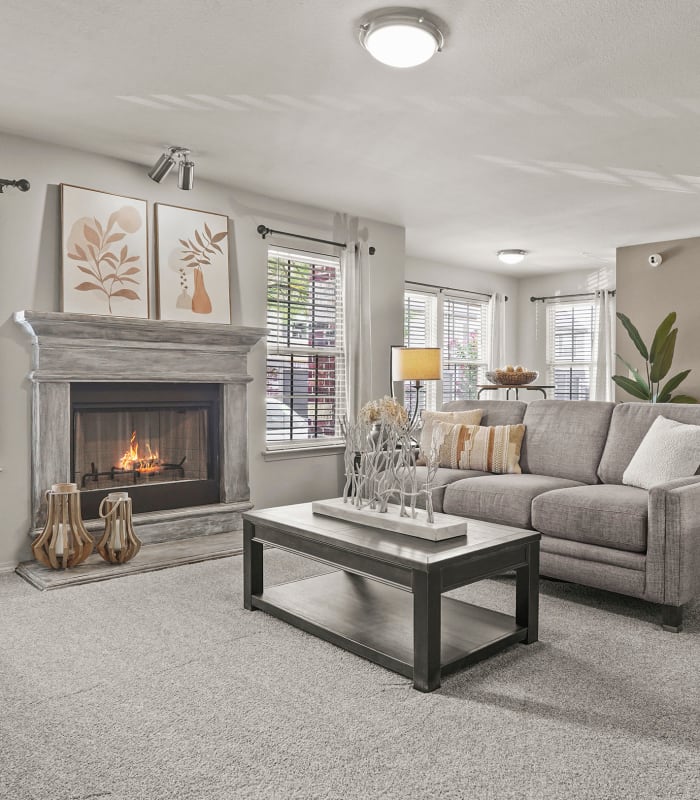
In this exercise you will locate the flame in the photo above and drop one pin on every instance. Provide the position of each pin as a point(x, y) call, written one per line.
point(131, 460)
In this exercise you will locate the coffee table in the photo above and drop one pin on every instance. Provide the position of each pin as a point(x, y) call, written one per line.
point(385, 600)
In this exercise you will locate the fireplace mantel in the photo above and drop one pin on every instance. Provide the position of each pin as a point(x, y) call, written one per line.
point(70, 348)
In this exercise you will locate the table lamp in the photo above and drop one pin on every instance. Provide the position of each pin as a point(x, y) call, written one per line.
point(415, 364)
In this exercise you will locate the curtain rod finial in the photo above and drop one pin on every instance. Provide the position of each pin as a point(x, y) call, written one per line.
point(372, 250)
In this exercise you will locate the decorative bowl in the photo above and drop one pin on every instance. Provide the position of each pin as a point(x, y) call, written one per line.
point(503, 378)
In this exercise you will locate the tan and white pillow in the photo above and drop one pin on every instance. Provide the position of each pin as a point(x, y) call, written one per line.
point(493, 449)
point(431, 418)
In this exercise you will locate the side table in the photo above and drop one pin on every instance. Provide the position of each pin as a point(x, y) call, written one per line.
point(494, 387)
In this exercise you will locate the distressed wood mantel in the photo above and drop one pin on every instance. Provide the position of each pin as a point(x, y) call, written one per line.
point(70, 348)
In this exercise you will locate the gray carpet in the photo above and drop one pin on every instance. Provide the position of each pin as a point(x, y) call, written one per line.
point(159, 686)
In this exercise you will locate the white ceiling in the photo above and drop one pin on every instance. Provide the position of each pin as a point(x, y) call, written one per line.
point(562, 127)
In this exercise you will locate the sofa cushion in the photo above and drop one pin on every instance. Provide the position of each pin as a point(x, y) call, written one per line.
point(604, 515)
point(669, 450)
point(443, 477)
point(494, 412)
point(495, 448)
point(430, 419)
point(628, 426)
point(565, 439)
point(500, 498)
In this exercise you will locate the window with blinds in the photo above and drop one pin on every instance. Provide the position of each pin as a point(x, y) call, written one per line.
point(457, 324)
point(570, 354)
point(420, 330)
point(305, 352)
point(463, 347)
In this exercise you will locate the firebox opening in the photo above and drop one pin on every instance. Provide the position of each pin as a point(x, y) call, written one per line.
point(158, 441)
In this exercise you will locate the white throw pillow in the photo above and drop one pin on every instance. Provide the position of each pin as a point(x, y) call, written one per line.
point(669, 450)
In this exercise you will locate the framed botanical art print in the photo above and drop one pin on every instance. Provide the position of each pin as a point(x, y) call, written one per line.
point(192, 265)
point(104, 247)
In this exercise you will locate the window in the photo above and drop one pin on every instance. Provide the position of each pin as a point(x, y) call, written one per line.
point(458, 324)
point(305, 355)
point(463, 347)
point(570, 355)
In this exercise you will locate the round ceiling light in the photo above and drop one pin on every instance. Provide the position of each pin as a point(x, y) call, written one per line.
point(404, 38)
point(511, 256)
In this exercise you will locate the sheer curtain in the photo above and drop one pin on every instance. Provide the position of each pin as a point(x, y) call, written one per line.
point(496, 357)
point(603, 387)
point(358, 326)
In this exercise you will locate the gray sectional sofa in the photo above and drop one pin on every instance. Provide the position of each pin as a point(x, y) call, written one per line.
point(595, 530)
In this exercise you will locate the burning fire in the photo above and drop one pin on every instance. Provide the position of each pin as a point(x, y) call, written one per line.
point(131, 460)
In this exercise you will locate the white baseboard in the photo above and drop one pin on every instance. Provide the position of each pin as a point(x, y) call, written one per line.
point(7, 566)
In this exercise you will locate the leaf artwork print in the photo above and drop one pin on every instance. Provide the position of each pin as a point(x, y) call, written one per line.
point(195, 254)
point(100, 253)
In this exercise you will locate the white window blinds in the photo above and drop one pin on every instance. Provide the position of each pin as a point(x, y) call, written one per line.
point(420, 330)
point(570, 348)
point(463, 347)
point(305, 350)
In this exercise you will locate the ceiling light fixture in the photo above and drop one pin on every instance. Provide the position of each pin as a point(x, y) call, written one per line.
point(160, 170)
point(511, 256)
point(404, 37)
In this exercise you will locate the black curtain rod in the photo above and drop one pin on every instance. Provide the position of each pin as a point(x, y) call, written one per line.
point(264, 231)
point(451, 289)
point(611, 292)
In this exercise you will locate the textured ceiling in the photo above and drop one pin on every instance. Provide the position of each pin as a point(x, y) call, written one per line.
point(562, 127)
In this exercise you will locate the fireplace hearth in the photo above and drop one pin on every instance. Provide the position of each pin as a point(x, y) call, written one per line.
point(175, 439)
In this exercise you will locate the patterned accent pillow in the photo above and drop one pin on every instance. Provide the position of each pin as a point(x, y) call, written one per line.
point(493, 449)
point(431, 418)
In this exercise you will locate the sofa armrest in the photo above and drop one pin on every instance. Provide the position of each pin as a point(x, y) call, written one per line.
point(673, 551)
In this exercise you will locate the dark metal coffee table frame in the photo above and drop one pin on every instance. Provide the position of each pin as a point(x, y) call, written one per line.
point(385, 603)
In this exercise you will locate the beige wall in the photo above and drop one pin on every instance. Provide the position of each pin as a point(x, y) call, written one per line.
point(30, 242)
point(647, 294)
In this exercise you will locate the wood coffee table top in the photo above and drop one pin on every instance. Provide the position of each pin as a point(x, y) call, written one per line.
point(397, 548)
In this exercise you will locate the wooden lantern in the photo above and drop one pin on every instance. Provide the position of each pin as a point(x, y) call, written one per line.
point(64, 542)
point(119, 543)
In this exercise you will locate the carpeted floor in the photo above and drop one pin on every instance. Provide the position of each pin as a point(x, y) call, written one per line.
point(161, 687)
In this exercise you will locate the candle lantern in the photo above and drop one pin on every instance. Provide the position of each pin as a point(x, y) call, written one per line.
point(64, 542)
point(119, 543)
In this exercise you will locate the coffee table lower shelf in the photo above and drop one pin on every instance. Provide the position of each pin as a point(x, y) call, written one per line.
point(375, 620)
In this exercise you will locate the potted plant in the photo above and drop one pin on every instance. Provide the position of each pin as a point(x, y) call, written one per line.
point(657, 361)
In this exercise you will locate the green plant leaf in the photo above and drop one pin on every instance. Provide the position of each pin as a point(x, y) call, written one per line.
point(631, 387)
point(673, 383)
point(661, 335)
point(642, 383)
point(683, 398)
point(634, 335)
point(664, 358)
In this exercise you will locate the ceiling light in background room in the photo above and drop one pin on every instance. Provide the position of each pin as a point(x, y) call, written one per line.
point(170, 157)
point(511, 256)
point(401, 37)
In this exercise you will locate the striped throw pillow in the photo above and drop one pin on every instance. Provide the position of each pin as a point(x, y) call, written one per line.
point(431, 418)
point(490, 449)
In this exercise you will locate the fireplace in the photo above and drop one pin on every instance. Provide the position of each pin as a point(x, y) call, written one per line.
point(186, 412)
point(159, 442)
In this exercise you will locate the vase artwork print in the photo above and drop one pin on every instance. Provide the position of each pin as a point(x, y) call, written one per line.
point(104, 253)
point(192, 265)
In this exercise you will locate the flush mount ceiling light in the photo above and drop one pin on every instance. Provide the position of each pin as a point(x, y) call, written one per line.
point(401, 37)
point(167, 161)
point(511, 256)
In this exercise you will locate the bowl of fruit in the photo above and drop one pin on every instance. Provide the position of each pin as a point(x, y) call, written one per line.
point(512, 376)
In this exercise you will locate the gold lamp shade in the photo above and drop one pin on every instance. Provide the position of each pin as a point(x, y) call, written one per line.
point(416, 364)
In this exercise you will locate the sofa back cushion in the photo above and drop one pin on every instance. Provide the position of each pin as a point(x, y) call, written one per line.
point(494, 412)
point(565, 438)
point(629, 425)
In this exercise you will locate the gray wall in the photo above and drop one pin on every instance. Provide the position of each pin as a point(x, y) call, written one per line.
point(647, 294)
point(30, 237)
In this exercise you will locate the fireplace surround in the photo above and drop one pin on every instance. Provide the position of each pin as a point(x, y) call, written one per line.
point(90, 361)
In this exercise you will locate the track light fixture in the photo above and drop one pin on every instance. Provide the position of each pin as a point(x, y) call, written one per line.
point(167, 161)
point(21, 183)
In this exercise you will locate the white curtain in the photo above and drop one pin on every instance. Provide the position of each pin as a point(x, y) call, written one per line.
point(496, 356)
point(358, 326)
point(603, 387)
